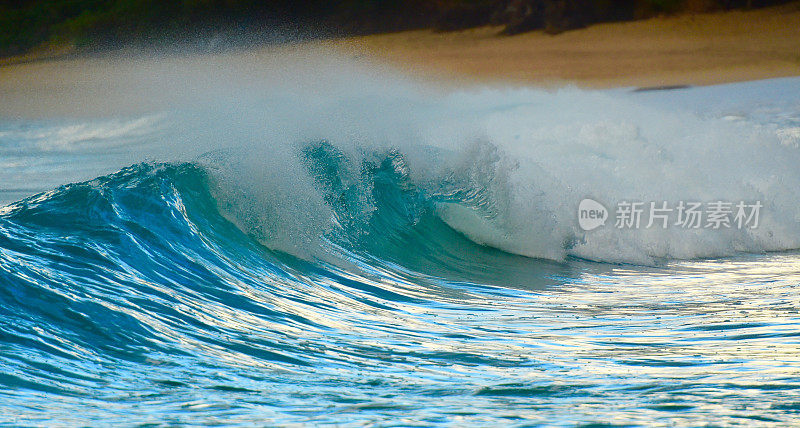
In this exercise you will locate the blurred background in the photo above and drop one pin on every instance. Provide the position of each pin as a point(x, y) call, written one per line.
point(55, 25)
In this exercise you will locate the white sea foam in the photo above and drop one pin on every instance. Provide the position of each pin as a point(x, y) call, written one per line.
point(565, 146)
point(535, 155)
point(532, 155)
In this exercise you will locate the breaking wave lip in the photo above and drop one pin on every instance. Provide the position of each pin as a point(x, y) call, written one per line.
point(506, 168)
point(373, 201)
point(518, 199)
point(295, 160)
point(465, 215)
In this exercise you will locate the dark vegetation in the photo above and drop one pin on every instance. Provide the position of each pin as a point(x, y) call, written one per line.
point(25, 24)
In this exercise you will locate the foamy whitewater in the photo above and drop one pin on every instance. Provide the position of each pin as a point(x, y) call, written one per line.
point(330, 242)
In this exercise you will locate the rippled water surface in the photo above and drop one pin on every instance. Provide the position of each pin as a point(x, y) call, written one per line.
point(332, 284)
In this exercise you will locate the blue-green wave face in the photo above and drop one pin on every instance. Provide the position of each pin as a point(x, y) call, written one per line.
point(136, 281)
point(379, 262)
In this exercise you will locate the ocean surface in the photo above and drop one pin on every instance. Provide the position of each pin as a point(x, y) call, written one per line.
point(374, 251)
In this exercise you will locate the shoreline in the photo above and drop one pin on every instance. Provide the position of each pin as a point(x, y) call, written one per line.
point(692, 49)
point(657, 53)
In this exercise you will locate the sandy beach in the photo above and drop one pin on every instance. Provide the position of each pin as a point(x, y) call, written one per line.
point(699, 49)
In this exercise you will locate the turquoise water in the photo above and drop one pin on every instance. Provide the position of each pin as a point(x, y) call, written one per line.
point(346, 289)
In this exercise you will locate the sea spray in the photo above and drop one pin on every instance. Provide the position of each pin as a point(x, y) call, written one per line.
point(506, 167)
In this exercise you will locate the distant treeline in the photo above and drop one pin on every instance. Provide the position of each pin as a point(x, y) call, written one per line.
point(25, 24)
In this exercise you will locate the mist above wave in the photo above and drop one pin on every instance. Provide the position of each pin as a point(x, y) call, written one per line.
point(505, 166)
